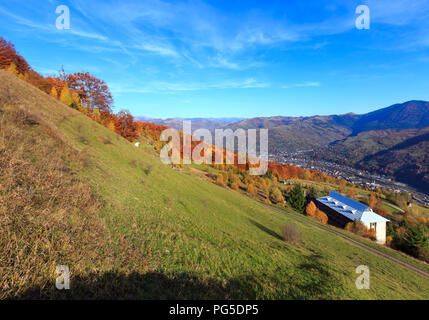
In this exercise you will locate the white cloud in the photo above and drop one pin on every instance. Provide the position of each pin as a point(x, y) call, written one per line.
point(174, 87)
point(302, 84)
point(158, 49)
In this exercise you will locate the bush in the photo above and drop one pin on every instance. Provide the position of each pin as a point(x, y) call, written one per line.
point(423, 254)
point(276, 195)
point(234, 186)
point(313, 194)
point(359, 228)
point(251, 189)
point(291, 233)
point(219, 180)
point(321, 217)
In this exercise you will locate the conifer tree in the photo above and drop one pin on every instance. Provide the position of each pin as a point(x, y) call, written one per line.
point(296, 198)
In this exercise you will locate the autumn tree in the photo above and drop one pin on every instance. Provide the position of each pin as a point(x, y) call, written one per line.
point(93, 92)
point(96, 115)
point(251, 189)
point(321, 216)
point(12, 69)
point(125, 125)
point(372, 202)
point(54, 92)
point(276, 195)
point(9, 55)
point(310, 210)
point(234, 186)
point(66, 97)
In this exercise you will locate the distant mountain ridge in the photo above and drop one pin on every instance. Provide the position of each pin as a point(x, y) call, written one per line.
point(411, 114)
point(390, 140)
point(197, 123)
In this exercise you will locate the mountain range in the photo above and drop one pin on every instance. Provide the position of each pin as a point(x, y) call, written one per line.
point(392, 140)
point(197, 123)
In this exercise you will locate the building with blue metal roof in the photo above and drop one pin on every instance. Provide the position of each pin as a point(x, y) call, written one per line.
point(342, 210)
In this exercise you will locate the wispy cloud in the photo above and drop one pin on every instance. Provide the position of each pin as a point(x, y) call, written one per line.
point(172, 87)
point(160, 49)
point(302, 84)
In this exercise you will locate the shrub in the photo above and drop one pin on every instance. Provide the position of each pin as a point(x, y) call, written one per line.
point(251, 189)
point(276, 195)
point(148, 169)
point(360, 229)
point(321, 216)
point(291, 233)
point(313, 194)
point(423, 254)
point(234, 186)
point(219, 180)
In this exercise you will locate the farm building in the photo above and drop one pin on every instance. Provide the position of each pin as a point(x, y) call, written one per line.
point(342, 210)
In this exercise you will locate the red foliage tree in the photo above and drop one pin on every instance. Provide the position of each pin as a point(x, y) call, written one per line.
point(93, 92)
point(125, 125)
point(8, 55)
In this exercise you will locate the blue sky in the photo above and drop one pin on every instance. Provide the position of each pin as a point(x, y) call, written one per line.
point(232, 58)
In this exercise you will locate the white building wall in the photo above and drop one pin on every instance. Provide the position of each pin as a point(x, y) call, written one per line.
point(380, 231)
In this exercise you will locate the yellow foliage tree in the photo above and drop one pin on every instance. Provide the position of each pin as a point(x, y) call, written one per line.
point(276, 195)
point(372, 200)
point(12, 69)
point(96, 115)
point(219, 180)
point(321, 216)
point(54, 92)
point(111, 125)
point(251, 189)
point(234, 186)
point(310, 210)
point(66, 97)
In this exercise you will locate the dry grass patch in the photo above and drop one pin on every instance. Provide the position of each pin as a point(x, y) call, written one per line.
point(47, 216)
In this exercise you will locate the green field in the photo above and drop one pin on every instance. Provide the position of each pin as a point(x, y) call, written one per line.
point(160, 232)
point(209, 242)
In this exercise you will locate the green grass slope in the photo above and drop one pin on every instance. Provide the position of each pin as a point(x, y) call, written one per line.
point(171, 234)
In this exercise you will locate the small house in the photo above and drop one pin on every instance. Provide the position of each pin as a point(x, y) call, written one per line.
point(342, 210)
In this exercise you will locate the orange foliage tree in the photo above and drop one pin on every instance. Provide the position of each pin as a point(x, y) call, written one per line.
point(125, 125)
point(310, 210)
point(93, 92)
point(372, 200)
point(8, 55)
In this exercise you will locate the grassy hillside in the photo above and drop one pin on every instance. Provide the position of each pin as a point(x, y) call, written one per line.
point(139, 229)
